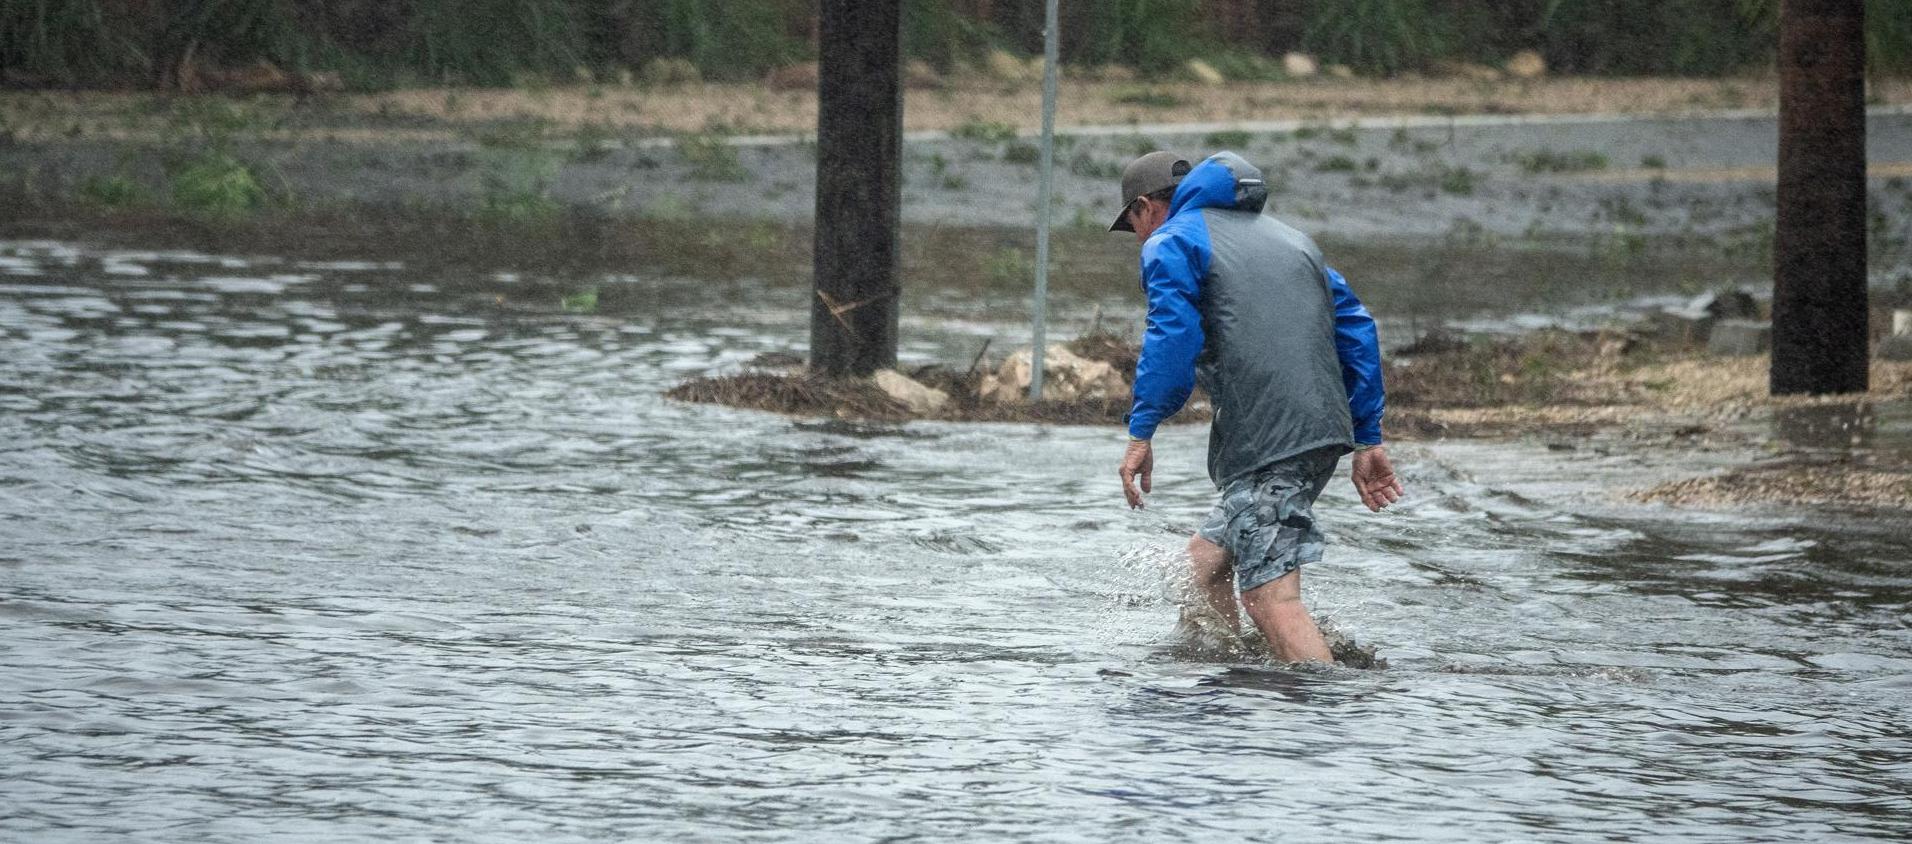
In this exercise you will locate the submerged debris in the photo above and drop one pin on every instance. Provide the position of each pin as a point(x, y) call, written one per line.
point(1839, 484)
point(1093, 389)
point(1652, 390)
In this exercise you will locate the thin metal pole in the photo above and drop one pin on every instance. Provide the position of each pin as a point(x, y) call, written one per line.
point(1046, 185)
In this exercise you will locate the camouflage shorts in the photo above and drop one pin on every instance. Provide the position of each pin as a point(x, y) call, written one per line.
point(1265, 520)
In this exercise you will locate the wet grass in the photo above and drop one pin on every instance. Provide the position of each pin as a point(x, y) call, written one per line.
point(711, 158)
point(983, 130)
point(1534, 162)
point(1153, 98)
point(113, 191)
point(217, 185)
point(1228, 139)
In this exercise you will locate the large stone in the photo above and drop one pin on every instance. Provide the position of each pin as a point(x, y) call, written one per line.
point(1740, 338)
point(1002, 66)
point(915, 395)
point(1527, 64)
point(920, 75)
point(1299, 65)
point(1203, 72)
point(1066, 376)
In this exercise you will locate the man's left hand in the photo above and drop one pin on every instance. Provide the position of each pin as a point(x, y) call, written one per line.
point(1374, 478)
point(1139, 460)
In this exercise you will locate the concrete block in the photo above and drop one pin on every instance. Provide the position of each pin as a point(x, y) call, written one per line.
point(1740, 338)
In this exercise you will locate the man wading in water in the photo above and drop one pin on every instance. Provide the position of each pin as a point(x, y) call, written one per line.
point(1291, 362)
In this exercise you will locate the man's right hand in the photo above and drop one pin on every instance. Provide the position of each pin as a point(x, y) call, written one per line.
point(1139, 460)
point(1374, 478)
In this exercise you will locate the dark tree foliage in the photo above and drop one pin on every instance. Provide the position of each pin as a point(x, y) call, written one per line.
point(380, 43)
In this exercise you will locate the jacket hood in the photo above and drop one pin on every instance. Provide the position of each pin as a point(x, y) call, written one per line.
point(1223, 180)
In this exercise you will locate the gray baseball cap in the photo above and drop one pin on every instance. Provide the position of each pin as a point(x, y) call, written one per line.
point(1148, 174)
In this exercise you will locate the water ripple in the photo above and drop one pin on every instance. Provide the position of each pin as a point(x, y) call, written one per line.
point(362, 550)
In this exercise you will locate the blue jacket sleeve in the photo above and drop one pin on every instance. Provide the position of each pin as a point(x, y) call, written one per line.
point(1172, 269)
point(1358, 345)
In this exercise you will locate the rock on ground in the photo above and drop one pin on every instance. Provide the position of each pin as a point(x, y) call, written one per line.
point(915, 395)
point(1527, 64)
point(1066, 376)
point(1203, 72)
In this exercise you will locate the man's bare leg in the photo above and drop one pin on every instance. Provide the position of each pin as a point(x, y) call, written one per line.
point(1213, 577)
point(1276, 608)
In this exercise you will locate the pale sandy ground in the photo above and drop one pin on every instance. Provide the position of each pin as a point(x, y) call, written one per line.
point(755, 109)
point(437, 113)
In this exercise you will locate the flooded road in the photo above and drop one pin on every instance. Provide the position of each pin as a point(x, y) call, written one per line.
point(358, 551)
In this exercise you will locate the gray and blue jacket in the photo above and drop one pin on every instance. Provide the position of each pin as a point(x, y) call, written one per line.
point(1245, 305)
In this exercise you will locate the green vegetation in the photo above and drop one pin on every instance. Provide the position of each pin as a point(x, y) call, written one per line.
point(1152, 34)
point(1017, 152)
point(217, 185)
point(115, 191)
point(536, 43)
point(205, 173)
point(1459, 181)
point(1009, 265)
point(1337, 164)
point(593, 141)
point(1145, 97)
point(514, 185)
point(1228, 139)
point(1139, 145)
point(582, 302)
point(984, 130)
point(1653, 162)
point(1549, 161)
point(516, 165)
point(1088, 166)
point(1381, 36)
point(711, 158)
